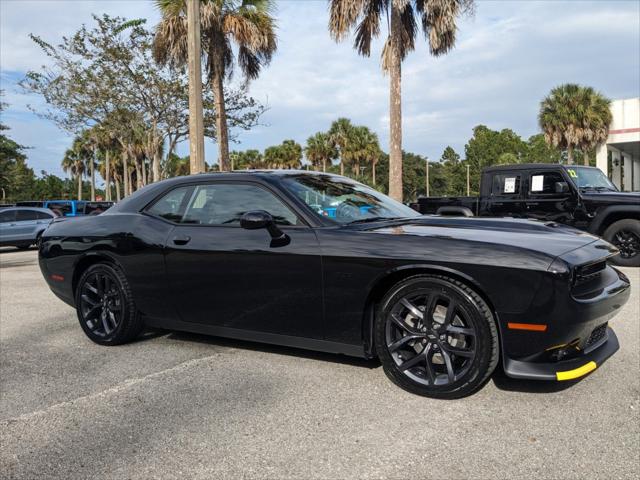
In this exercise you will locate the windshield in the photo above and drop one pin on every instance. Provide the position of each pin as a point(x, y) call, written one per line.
point(590, 179)
point(343, 200)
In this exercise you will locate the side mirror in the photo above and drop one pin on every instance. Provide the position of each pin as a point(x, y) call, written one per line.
point(257, 219)
point(562, 187)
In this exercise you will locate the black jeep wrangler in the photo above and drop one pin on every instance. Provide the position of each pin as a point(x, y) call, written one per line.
point(582, 197)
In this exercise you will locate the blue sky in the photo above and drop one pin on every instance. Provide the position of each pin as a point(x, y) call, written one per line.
point(508, 56)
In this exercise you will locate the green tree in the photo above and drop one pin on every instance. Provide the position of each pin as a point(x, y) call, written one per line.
point(341, 135)
point(575, 117)
point(74, 162)
point(320, 150)
point(103, 80)
point(14, 173)
point(539, 151)
point(490, 147)
point(247, 159)
point(361, 151)
point(286, 155)
point(175, 166)
point(454, 172)
point(247, 23)
point(438, 21)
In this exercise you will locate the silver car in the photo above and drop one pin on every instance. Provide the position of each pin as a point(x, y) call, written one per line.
point(22, 226)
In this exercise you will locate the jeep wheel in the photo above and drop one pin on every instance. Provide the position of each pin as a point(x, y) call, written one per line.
point(625, 235)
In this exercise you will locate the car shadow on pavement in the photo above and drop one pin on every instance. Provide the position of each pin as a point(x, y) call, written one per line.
point(502, 382)
point(260, 347)
point(4, 250)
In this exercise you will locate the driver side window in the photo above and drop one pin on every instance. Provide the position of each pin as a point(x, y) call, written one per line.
point(544, 183)
point(225, 203)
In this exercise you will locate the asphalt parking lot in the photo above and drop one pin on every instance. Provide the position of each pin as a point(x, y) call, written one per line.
point(187, 406)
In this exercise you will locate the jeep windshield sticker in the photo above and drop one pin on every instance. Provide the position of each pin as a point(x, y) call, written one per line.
point(510, 185)
point(537, 182)
point(572, 173)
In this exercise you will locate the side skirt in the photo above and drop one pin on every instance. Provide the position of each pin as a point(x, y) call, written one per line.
point(260, 337)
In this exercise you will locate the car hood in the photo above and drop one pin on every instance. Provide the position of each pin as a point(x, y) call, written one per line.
point(612, 197)
point(550, 238)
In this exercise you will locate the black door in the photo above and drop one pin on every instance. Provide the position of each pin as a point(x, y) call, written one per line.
point(220, 274)
point(549, 197)
point(505, 198)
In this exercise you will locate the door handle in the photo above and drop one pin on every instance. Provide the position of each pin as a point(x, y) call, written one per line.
point(181, 239)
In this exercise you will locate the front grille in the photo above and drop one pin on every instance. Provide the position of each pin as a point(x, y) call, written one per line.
point(587, 273)
point(597, 335)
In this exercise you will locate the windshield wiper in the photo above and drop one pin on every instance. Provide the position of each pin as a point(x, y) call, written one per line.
point(599, 188)
point(372, 219)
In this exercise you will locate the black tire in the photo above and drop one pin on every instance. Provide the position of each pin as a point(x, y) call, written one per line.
point(118, 321)
point(23, 247)
point(470, 324)
point(625, 235)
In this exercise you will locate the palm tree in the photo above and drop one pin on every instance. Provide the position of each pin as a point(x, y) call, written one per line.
point(286, 155)
point(371, 151)
point(320, 150)
point(341, 134)
point(247, 23)
point(573, 116)
point(74, 162)
point(438, 20)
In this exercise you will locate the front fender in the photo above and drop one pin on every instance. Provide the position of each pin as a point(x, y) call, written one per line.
point(601, 216)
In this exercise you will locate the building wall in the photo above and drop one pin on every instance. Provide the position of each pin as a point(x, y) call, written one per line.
point(622, 145)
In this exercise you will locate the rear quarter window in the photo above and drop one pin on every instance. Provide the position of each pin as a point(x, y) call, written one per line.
point(505, 184)
point(171, 205)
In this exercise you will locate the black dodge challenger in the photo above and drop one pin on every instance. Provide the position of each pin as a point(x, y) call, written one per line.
point(318, 261)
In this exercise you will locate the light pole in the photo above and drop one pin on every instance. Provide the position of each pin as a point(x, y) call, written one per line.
point(196, 125)
point(468, 183)
point(427, 176)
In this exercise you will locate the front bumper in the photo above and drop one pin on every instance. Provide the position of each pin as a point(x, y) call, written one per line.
point(565, 369)
point(573, 338)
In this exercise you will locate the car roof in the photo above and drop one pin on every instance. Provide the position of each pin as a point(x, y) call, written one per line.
point(263, 173)
point(37, 209)
point(533, 166)
point(140, 198)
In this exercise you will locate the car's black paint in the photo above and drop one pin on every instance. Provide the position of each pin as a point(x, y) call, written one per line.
point(319, 289)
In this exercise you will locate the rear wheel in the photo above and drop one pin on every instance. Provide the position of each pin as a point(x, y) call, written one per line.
point(105, 306)
point(625, 235)
point(436, 337)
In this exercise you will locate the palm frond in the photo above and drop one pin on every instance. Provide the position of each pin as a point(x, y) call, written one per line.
point(343, 15)
point(369, 27)
point(439, 23)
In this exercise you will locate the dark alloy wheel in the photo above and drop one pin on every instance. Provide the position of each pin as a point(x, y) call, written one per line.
point(105, 306)
point(625, 235)
point(436, 337)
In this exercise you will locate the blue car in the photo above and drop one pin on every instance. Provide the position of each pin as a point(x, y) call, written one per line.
point(69, 208)
point(22, 226)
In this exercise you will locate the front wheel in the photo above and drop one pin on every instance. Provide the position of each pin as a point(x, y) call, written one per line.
point(625, 235)
point(105, 306)
point(436, 337)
